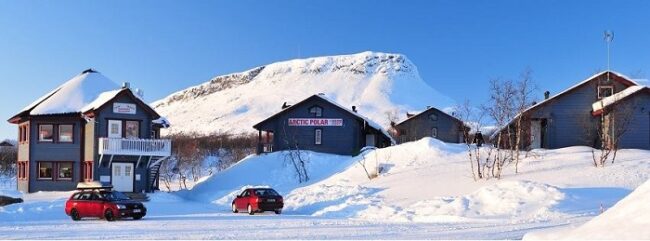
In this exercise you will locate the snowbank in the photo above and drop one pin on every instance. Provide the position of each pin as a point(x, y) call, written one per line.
point(428, 181)
point(628, 219)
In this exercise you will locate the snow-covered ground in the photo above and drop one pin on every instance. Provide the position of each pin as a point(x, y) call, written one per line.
point(425, 191)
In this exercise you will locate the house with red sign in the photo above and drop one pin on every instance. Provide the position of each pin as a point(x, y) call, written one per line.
point(90, 129)
point(319, 124)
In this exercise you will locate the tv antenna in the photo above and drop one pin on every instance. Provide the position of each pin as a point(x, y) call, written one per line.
point(609, 38)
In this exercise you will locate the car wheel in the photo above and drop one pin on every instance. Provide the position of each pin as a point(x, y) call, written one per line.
point(137, 217)
point(234, 208)
point(278, 211)
point(250, 210)
point(74, 214)
point(108, 215)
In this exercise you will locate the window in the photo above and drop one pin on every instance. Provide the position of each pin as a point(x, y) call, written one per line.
point(23, 170)
point(117, 171)
point(23, 133)
point(316, 110)
point(76, 196)
point(88, 170)
point(433, 117)
point(318, 136)
point(434, 132)
point(604, 91)
point(45, 170)
point(46, 133)
point(65, 133)
point(132, 129)
point(65, 171)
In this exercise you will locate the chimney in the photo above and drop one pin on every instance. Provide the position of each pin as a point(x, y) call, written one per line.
point(428, 107)
point(408, 115)
point(140, 93)
point(126, 85)
point(546, 94)
point(284, 105)
point(354, 109)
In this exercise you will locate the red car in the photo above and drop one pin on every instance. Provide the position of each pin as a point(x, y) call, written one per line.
point(109, 205)
point(255, 200)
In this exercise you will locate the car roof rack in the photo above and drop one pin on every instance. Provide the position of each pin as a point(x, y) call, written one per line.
point(94, 186)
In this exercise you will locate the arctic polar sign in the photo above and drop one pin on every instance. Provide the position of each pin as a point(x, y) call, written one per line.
point(315, 122)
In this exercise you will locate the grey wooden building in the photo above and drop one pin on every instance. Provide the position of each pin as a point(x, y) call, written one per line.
point(321, 125)
point(573, 116)
point(431, 122)
point(89, 129)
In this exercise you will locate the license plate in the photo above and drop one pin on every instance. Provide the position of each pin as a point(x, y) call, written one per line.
point(270, 200)
point(136, 210)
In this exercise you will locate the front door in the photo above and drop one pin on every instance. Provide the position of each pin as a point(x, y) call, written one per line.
point(535, 134)
point(122, 177)
point(114, 129)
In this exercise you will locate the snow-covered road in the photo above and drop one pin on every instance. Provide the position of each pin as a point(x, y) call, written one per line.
point(266, 226)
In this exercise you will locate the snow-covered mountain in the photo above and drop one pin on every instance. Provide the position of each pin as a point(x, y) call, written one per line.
point(377, 83)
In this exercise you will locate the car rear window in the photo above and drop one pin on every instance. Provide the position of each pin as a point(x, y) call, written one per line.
point(76, 196)
point(266, 192)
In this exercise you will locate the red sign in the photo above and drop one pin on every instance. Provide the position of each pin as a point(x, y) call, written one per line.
point(315, 122)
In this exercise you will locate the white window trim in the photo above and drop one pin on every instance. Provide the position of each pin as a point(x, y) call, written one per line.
point(605, 87)
point(318, 136)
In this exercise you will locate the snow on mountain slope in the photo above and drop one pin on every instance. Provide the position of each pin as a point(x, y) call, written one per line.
point(374, 82)
point(628, 219)
point(429, 181)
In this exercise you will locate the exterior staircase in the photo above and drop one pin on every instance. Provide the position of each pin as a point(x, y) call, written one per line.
point(154, 174)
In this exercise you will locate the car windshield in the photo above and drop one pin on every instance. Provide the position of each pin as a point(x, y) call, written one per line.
point(266, 192)
point(114, 196)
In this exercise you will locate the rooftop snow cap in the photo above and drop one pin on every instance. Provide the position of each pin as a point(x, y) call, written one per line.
point(73, 95)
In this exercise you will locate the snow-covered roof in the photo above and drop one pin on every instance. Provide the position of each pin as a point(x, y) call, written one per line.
point(609, 100)
point(74, 95)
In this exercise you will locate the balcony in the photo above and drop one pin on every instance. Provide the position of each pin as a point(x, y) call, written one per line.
point(135, 147)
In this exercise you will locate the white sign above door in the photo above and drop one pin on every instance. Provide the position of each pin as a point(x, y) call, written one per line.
point(124, 108)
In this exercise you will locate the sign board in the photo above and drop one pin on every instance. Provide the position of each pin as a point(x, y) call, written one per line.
point(106, 179)
point(124, 108)
point(315, 122)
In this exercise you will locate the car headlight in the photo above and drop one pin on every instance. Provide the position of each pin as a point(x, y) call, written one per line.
point(120, 206)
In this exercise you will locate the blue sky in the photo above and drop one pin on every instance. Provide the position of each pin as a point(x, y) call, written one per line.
point(165, 46)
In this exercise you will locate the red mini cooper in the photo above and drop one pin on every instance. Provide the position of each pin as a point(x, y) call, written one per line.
point(256, 200)
point(109, 205)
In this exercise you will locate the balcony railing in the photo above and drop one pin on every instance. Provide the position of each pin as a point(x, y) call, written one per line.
point(135, 147)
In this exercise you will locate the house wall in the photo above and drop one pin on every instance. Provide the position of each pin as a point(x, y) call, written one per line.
point(569, 119)
point(102, 116)
point(420, 126)
point(637, 135)
point(343, 140)
point(54, 152)
point(23, 155)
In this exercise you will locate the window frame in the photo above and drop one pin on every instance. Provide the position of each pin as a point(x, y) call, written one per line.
point(434, 132)
point(58, 171)
point(318, 136)
point(58, 134)
point(40, 139)
point(603, 87)
point(125, 128)
point(316, 113)
point(38, 176)
point(87, 168)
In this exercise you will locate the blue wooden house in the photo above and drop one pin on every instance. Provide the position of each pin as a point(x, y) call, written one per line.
point(90, 129)
point(572, 117)
point(321, 125)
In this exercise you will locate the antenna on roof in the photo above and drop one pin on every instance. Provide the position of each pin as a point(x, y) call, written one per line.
point(609, 38)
